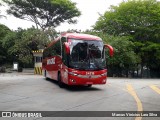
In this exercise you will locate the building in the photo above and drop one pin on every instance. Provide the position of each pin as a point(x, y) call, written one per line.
point(38, 61)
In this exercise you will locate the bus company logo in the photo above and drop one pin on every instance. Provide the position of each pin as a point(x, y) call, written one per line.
point(89, 73)
point(6, 114)
point(51, 61)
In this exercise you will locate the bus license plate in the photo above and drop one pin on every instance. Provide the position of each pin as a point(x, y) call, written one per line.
point(89, 82)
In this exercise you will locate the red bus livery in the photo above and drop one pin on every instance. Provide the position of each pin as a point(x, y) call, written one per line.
point(76, 59)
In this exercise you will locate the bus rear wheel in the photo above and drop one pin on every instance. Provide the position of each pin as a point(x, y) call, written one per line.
point(61, 85)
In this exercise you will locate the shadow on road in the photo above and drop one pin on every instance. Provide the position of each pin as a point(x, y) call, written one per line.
point(75, 87)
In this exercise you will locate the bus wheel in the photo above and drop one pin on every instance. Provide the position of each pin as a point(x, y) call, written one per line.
point(89, 85)
point(61, 85)
point(45, 75)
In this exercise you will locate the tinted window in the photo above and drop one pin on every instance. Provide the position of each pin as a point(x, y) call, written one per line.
point(64, 55)
point(53, 50)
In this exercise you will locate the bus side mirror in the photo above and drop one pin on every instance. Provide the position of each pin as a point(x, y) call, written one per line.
point(110, 49)
point(67, 48)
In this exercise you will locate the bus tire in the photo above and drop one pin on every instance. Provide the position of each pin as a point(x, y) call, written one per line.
point(61, 85)
point(89, 85)
point(45, 75)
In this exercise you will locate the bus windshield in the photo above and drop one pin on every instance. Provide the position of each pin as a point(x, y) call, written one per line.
point(87, 55)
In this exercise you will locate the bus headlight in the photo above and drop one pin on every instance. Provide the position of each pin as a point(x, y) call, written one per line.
point(71, 73)
point(104, 74)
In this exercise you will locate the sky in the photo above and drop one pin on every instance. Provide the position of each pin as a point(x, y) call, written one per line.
point(90, 10)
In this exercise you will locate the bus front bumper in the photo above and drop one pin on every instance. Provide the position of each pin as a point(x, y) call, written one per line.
point(86, 79)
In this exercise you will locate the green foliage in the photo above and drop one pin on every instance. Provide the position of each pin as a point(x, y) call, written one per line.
point(154, 49)
point(19, 44)
point(44, 13)
point(4, 30)
point(140, 20)
point(3, 33)
point(151, 57)
point(125, 59)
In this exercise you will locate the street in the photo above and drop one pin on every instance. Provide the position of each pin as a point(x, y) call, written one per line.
point(28, 92)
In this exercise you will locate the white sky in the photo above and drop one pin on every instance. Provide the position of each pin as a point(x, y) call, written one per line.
point(89, 10)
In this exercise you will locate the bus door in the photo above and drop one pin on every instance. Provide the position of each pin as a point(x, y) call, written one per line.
point(64, 66)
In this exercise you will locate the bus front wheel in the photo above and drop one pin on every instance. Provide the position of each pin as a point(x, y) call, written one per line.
point(61, 85)
point(89, 85)
point(45, 75)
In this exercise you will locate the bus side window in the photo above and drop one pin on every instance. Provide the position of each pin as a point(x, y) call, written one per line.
point(57, 48)
point(46, 53)
point(64, 56)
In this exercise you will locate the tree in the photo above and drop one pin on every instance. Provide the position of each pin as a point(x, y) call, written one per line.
point(151, 51)
point(125, 60)
point(19, 44)
point(44, 13)
point(4, 30)
point(138, 19)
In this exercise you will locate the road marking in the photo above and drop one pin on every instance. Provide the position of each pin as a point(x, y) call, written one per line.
point(156, 89)
point(139, 104)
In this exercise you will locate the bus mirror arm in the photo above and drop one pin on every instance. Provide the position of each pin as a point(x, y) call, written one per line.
point(111, 50)
point(67, 48)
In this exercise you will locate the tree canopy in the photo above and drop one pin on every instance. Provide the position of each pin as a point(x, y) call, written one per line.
point(20, 43)
point(44, 13)
point(139, 18)
point(140, 21)
point(4, 31)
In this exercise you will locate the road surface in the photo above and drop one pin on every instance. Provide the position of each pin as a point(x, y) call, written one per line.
point(22, 92)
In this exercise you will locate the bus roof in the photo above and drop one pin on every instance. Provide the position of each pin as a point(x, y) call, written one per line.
point(76, 36)
point(81, 36)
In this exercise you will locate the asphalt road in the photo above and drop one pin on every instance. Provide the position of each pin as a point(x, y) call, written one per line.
point(33, 93)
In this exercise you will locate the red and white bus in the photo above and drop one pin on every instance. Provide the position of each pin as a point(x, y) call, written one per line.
point(76, 59)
